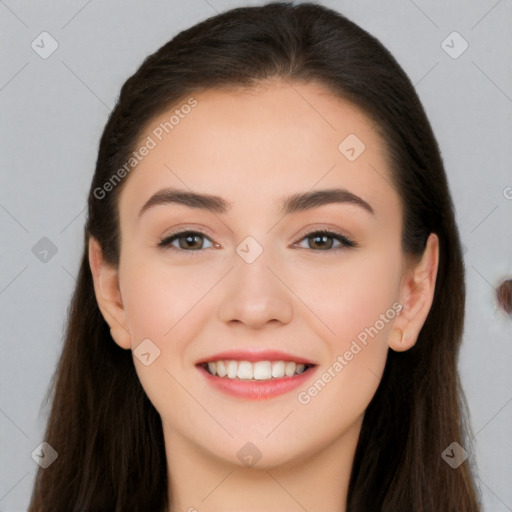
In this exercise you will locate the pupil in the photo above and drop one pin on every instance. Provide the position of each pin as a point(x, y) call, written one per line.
point(190, 240)
point(322, 239)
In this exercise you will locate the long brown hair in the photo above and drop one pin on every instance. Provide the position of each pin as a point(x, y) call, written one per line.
point(106, 431)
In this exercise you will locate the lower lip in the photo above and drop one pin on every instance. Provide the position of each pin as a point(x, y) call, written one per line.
point(254, 389)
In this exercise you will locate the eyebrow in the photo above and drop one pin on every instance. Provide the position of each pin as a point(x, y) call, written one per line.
point(295, 203)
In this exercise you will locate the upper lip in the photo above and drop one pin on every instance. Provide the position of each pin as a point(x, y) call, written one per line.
point(256, 355)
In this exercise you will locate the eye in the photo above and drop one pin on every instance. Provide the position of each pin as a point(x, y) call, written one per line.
point(323, 240)
point(192, 241)
point(187, 240)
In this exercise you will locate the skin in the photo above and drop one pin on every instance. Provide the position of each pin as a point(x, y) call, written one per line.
point(253, 147)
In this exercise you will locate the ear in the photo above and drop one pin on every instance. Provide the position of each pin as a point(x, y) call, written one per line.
point(108, 294)
point(416, 296)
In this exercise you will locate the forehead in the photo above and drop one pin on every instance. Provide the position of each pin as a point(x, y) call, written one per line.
point(260, 143)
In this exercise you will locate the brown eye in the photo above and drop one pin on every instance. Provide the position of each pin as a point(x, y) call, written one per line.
point(324, 241)
point(321, 241)
point(187, 241)
point(190, 241)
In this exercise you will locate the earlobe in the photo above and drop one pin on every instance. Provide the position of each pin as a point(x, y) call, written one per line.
point(417, 295)
point(108, 295)
point(400, 341)
point(396, 338)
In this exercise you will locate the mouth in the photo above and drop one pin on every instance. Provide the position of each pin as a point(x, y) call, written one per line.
point(257, 379)
point(255, 371)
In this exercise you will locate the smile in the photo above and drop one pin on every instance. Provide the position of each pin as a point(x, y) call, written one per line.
point(257, 379)
point(259, 370)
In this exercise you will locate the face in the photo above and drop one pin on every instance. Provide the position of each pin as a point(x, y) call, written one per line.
point(297, 297)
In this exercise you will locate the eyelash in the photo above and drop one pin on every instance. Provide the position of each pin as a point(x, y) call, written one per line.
point(346, 243)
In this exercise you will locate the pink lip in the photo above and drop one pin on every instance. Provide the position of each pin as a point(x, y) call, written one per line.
point(254, 355)
point(252, 389)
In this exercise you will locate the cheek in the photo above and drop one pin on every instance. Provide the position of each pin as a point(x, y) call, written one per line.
point(358, 303)
point(159, 299)
point(353, 295)
point(164, 304)
point(340, 393)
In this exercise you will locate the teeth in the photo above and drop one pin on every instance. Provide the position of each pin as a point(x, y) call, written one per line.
point(221, 369)
point(245, 370)
point(212, 368)
point(277, 368)
point(289, 368)
point(232, 369)
point(260, 370)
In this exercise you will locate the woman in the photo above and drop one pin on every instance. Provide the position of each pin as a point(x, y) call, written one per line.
point(270, 302)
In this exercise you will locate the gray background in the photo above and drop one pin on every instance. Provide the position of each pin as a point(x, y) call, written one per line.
point(53, 111)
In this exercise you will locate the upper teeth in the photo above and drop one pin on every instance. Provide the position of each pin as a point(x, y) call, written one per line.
point(261, 370)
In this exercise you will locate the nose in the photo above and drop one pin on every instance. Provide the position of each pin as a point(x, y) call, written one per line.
point(255, 294)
